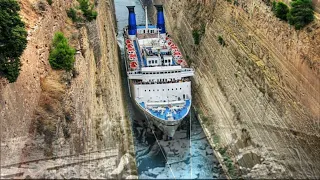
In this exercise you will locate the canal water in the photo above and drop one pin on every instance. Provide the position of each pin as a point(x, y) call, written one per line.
point(185, 156)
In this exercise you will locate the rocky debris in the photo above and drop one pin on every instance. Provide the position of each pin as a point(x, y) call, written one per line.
point(268, 170)
point(256, 90)
point(91, 165)
point(123, 167)
point(132, 177)
point(178, 151)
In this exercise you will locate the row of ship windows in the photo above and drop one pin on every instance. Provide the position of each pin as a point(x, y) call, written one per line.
point(160, 72)
point(162, 90)
point(156, 61)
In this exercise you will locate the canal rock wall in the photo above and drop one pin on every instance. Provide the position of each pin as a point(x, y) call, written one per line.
point(49, 113)
point(256, 86)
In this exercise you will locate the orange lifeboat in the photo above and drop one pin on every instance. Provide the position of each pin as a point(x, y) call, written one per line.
point(129, 46)
point(177, 53)
point(133, 65)
point(180, 61)
point(128, 41)
point(132, 56)
point(174, 47)
point(183, 63)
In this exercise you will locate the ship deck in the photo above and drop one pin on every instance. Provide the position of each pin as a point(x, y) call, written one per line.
point(162, 112)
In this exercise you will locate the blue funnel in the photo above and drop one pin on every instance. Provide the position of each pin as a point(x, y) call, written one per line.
point(160, 19)
point(132, 21)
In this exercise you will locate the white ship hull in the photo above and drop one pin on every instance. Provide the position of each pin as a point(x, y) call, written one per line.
point(168, 127)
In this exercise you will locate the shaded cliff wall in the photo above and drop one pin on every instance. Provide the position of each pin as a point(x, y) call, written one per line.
point(48, 112)
point(258, 95)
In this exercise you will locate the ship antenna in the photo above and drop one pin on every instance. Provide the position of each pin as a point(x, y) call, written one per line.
point(146, 10)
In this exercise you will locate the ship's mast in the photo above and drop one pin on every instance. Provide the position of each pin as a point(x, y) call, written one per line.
point(146, 10)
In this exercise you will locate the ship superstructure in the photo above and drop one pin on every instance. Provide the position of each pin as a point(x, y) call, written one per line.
point(158, 75)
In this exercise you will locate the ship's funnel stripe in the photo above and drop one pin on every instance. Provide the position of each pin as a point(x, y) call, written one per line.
point(132, 24)
point(160, 19)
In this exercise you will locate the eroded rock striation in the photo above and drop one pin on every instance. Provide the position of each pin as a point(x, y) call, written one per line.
point(257, 83)
point(49, 113)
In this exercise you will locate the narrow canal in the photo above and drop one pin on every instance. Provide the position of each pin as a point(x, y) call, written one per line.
point(187, 155)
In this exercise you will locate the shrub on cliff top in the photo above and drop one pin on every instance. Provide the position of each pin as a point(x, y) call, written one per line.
point(301, 13)
point(13, 39)
point(87, 9)
point(49, 2)
point(61, 55)
point(196, 37)
point(281, 11)
point(72, 14)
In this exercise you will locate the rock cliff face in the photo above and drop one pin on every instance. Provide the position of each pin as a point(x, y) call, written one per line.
point(257, 83)
point(51, 113)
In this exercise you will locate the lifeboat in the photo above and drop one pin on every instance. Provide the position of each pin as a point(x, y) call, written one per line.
point(128, 41)
point(133, 65)
point(129, 46)
point(132, 56)
point(169, 43)
point(183, 63)
point(176, 53)
point(174, 50)
point(180, 61)
point(173, 45)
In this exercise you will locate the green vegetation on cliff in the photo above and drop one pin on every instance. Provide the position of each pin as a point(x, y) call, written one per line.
point(281, 10)
point(301, 13)
point(197, 34)
point(13, 39)
point(72, 14)
point(61, 55)
point(221, 41)
point(87, 10)
point(83, 12)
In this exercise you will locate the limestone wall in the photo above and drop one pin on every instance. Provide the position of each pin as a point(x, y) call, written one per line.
point(260, 92)
point(50, 113)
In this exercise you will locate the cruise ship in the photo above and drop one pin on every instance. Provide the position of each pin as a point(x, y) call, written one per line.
point(158, 76)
